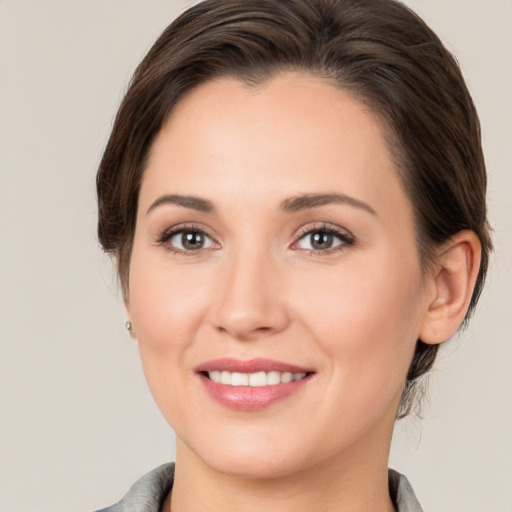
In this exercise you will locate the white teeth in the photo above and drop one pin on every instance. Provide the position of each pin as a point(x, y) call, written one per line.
point(286, 377)
point(239, 379)
point(273, 378)
point(257, 379)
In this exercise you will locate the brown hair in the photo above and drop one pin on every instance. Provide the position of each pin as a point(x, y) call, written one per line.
point(379, 50)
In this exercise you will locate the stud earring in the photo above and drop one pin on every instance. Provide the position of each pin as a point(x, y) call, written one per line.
point(129, 328)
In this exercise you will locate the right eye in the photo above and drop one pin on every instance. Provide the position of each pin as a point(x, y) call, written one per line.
point(187, 240)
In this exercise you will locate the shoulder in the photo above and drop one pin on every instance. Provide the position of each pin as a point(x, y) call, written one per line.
point(402, 493)
point(148, 493)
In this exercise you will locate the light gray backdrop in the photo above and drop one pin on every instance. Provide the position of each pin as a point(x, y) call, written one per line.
point(77, 424)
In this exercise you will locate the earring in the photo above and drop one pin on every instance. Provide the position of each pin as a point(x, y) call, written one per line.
point(128, 326)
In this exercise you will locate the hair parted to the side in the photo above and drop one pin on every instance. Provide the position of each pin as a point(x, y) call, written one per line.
point(378, 50)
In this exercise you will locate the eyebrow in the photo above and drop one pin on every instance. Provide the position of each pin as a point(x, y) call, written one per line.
point(307, 201)
point(294, 204)
point(193, 202)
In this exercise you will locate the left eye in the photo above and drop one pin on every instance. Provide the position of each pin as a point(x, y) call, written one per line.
point(320, 240)
point(190, 240)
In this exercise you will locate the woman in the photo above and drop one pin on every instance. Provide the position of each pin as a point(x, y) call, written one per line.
point(294, 193)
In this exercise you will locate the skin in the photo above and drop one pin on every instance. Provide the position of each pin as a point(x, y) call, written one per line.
point(256, 290)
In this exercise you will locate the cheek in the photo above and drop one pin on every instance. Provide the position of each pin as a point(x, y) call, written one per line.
point(166, 308)
point(366, 319)
point(165, 303)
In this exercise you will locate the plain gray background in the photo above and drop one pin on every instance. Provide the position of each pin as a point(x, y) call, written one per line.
point(77, 424)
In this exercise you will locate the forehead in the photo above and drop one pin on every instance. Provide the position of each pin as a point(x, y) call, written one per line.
point(294, 133)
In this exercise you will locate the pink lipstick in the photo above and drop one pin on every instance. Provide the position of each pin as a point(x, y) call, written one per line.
point(251, 385)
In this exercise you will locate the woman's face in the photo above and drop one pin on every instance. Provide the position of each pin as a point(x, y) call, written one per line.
point(274, 242)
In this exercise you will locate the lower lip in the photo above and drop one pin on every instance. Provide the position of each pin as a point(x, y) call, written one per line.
point(247, 398)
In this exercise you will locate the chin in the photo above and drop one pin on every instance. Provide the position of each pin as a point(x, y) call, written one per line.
point(256, 467)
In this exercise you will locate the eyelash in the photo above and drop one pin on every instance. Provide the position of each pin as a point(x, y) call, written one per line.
point(346, 239)
point(167, 235)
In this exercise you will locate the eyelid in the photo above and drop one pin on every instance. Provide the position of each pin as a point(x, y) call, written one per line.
point(165, 236)
point(343, 234)
point(324, 226)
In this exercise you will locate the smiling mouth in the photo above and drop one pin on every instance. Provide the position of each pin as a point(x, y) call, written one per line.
point(252, 385)
point(257, 379)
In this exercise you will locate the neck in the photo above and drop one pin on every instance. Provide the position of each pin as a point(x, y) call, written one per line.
point(351, 483)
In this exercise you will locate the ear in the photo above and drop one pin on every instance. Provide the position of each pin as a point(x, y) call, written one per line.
point(453, 279)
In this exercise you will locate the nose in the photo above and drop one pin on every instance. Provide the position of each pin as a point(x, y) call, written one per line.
point(250, 302)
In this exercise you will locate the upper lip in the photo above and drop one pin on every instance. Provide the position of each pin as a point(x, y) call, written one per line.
point(228, 364)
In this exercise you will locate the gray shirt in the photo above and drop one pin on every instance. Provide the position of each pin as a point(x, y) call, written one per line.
point(150, 491)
